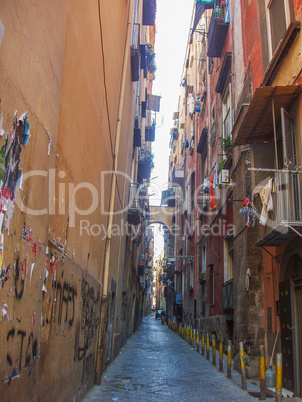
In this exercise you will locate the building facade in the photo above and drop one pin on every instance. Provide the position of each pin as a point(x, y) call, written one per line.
point(76, 96)
point(235, 167)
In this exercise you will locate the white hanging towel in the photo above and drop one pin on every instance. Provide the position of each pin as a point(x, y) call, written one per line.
point(267, 201)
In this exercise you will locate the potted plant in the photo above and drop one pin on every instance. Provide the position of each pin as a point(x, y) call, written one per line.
point(227, 145)
point(220, 166)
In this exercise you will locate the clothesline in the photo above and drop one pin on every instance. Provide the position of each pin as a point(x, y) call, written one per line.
point(275, 170)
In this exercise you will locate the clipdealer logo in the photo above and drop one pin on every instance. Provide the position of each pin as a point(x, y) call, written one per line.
point(63, 199)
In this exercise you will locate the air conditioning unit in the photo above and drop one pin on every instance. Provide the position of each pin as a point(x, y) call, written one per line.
point(224, 176)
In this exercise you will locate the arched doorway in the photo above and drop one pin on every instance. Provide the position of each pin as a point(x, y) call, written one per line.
point(290, 299)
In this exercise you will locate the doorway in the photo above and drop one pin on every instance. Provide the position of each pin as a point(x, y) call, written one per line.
point(290, 299)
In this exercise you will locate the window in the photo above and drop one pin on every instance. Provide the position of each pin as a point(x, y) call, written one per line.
point(279, 18)
point(211, 64)
point(228, 258)
point(178, 283)
point(191, 274)
point(226, 113)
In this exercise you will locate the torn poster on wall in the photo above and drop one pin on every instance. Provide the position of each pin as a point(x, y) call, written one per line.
point(10, 175)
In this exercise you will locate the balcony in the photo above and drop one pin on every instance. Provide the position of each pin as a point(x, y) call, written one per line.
point(227, 295)
point(168, 197)
point(150, 133)
point(149, 10)
point(134, 211)
point(255, 121)
point(217, 32)
point(285, 219)
point(145, 162)
point(178, 175)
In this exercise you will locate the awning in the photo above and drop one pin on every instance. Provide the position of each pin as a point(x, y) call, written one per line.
point(200, 7)
point(255, 122)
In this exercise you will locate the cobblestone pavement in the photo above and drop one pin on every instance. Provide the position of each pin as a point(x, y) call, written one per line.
point(157, 365)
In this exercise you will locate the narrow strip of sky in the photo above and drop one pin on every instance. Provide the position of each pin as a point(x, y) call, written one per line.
point(173, 19)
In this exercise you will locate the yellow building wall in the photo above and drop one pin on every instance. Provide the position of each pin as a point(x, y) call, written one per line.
point(61, 62)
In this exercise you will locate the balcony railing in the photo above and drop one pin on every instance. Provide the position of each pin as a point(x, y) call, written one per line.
point(144, 165)
point(134, 210)
point(217, 31)
point(227, 295)
point(285, 217)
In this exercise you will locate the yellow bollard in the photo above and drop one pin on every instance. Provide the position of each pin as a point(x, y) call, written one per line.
point(242, 365)
point(197, 341)
point(278, 377)
point(262, 374)
point(208, 347)
point(220, 355)
point(213, 350)
point(202, 343)
point(229, 366)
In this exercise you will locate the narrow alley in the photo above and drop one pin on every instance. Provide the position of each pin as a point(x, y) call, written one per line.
point(150, 164)
point(157, 365)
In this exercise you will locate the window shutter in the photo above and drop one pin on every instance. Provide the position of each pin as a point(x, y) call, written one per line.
point(289, 157)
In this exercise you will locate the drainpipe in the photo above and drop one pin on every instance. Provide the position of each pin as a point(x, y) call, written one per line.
point(104, 301)
point(195, 223)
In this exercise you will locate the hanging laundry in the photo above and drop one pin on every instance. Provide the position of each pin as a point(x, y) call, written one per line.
point(267, 201)
point(213, 203)
point(215, 182)
point(249, 210)
point(190, 104)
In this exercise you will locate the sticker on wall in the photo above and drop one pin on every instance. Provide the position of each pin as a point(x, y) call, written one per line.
point(44, 290)
point(49, 141)
point(4, 310)
point(14, 374)
point(31, 271)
